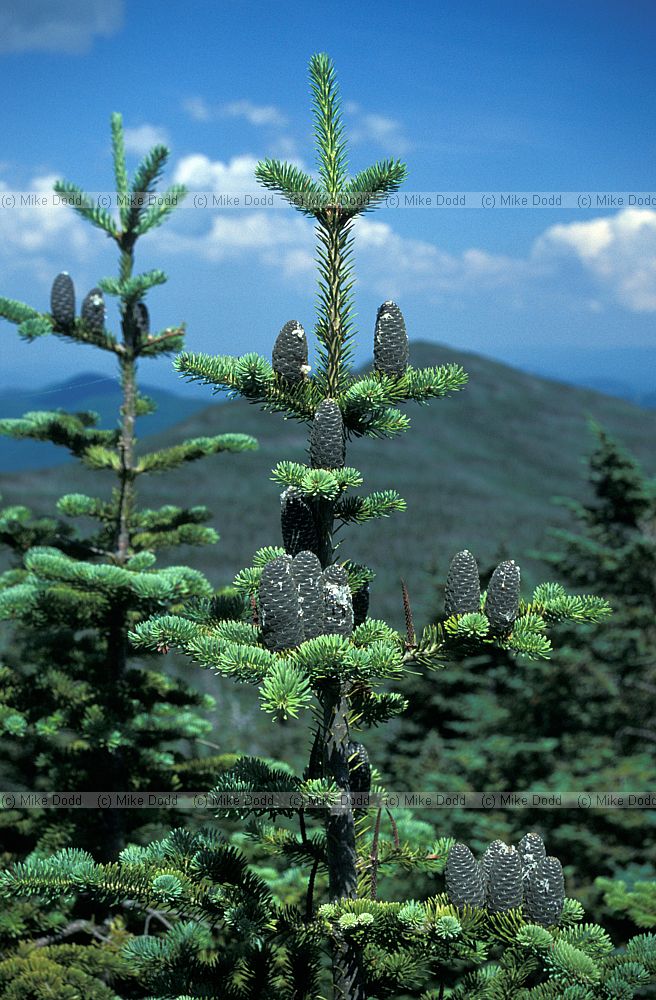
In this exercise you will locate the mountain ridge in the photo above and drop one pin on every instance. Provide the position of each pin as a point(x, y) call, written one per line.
point(477, 468)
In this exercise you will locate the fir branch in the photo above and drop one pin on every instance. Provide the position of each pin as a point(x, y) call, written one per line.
point(370, 187)
point(293, 184)
point(171, 340)
point(134, 287)
point(163, 205)
point(84, 206)
point(74, 431)
point(381, 503)
point(328, 126)
point(120, 172)
point(17, 312)
point(192, 450)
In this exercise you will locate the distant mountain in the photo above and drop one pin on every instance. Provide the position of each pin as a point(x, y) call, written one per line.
point(623, 390)
point(623, 371)
point(478, 470)
point(87, 391)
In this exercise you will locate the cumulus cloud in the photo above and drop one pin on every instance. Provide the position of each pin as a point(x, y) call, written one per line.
point(590, 265)
point(400, 265)
point(199, 173)
point(35, 228)
point(617, 255)
point(140, 140)
point(198, 109)
point(68, 26)
point(40, 240)
point(617, 252)
point(377, 129)
point(263, 236)
point(255, 114)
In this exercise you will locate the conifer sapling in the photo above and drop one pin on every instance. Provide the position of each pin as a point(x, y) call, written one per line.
point(377, 949)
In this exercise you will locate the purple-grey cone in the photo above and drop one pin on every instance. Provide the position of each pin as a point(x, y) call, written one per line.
point(462, 592)
point(306, 570)
point(290, 352)
point(465, 882)
point(281, 622)
point(327, 437)
point(502, 600)
point(93, 310)
point(299, 531)
point(62, 299)
point(391, 348)
point(338, 602)
point(545, 894)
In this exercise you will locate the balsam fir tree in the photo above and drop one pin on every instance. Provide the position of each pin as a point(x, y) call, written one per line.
point(305, 641)
point(608, 729)
point(466, 734)
point(580, 722)
point(78, 711)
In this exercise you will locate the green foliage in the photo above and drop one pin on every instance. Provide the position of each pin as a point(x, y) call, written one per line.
point(289, 628)
point(639, 902)
point(75, 713)
point(580, 721)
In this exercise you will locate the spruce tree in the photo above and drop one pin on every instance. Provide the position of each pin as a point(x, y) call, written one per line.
point(305, 640)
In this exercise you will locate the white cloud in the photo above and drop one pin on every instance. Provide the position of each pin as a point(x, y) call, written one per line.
point(199, 173)
point(66, 26)
point(234, 236)
point(33, 228)
point(401, 265)
point(617, 252)
point(377, 129)
point(585, 265)
point(197, 109)
point(140, 140)
point(255, 114)
point(41, 240)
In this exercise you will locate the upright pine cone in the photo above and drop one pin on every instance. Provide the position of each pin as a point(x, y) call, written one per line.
point(505, 889)
point(463, 586)
point(502, 601)
point(315, 764)
point(282, 625)
point(338, 602)
point(290, 352)
point(62, 299)
point(327, 437)
point(491, 852)
point(465, 881)
point(140, 318)
point(391, 348)
point(545, 893)
point(93, 310)
point(360, 604)
point(306, 570)
point(532, 852)
point(299, 531)
point(359, 767)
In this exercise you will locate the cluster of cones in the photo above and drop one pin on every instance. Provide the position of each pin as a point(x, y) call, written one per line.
point(508, 877)
point(463, 591)
point(62, 307)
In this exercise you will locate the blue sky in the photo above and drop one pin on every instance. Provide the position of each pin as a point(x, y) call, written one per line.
point(494, 96)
